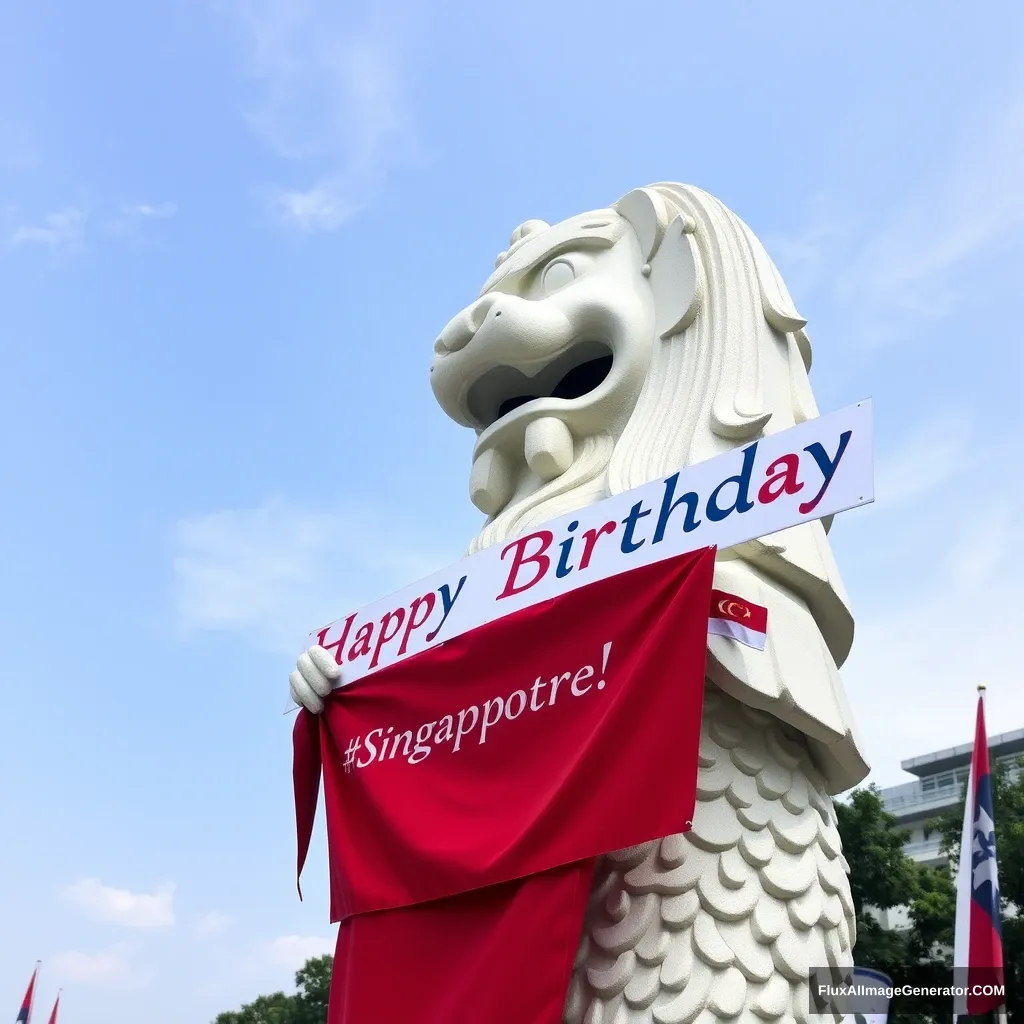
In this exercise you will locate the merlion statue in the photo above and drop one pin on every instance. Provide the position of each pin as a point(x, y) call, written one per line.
point(606, 351)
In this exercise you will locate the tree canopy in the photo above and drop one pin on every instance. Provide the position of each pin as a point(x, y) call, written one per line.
point(307, 1006)
point(882, 876)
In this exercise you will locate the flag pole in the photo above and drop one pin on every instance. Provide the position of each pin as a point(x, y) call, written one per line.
point(25, 1013)
point(999, 1013)
point(56, 1003)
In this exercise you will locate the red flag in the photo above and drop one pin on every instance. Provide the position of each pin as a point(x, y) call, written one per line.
point(743, 621)
point(53, 1015)
point(978, 942)
point(469, 789)
point(25, 1013)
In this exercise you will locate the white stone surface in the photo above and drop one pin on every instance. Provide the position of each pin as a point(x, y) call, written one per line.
point(707, 352)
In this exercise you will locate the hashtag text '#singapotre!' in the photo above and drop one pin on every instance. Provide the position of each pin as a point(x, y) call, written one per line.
point(381, 744)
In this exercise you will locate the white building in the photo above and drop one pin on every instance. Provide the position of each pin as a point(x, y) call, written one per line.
point(939, 787)
point(941, 777)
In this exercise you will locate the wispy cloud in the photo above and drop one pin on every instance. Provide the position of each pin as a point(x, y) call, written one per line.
point(144, 210)
point(333, 104)
point(212, 923)
point(972, 205)
point(121, 906)
point(891, 259)
point(110, 970)
point(131, 217)
point(63, 229)
point(982, 553)
point(292, 951)
point(276, 571)
point(924, 459)
point(927, 637)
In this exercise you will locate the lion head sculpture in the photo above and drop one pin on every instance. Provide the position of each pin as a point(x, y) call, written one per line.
point(621, 345)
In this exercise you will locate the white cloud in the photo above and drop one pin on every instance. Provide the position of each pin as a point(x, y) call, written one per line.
point(131, 217)
point(292, 951)
point(62, 229)
point(806, 256)
point(333, 102)
point(120, 906)
point(212, 923)
point(111, 970)
point(926, 458)
point(323, 207)
point(276, 571)
point(974, 203)
point(981, 554)
point(928, 637)
point(890, 258)
point(145, 210)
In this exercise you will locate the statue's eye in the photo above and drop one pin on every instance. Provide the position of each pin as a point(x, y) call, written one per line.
point(557, 274)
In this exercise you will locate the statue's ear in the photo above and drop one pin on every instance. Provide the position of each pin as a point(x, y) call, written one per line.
point(648, 215)
point(675, 280)
point(671, 257)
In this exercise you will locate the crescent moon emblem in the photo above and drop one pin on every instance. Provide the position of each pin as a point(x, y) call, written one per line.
point(733, 609)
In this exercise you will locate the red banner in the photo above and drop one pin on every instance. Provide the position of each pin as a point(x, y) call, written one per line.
point(469, 788)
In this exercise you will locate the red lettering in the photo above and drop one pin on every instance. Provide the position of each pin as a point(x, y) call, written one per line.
point(426, 602)
point(362, 645)
point(397, 617)
point(540, 561)
point(321, 639)
point(590, 538)
point(787, 477)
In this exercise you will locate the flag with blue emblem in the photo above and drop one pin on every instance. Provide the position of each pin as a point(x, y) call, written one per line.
point(25, 1013)
point(978, 945)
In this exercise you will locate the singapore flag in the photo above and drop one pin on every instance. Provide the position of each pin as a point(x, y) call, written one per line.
point(742, 621)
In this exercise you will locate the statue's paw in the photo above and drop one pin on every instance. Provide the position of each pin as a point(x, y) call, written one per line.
point(313, 679)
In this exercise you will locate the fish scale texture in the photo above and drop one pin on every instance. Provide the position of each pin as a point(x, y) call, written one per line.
point(725, 922)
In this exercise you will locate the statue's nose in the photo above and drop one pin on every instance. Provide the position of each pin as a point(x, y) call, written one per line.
point(463, 327)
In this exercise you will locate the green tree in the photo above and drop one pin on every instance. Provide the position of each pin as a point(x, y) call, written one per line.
point(307, 1006)
point(313, 984)
point(883, 877)
point(273, 1009)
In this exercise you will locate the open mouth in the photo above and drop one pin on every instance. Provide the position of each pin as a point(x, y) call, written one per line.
point(576, 372)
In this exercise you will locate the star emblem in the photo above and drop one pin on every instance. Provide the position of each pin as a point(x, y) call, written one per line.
point(983, 852)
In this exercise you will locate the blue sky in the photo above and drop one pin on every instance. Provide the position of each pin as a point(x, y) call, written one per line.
point(229, 233)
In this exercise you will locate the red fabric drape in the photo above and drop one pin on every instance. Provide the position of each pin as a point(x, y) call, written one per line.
point(469, 789)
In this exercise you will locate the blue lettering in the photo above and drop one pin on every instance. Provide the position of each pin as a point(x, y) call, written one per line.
point(564, 568)
point(827, 466)
point(448, 602)
point(635, 513)
point(668, 506)
point(742, 482)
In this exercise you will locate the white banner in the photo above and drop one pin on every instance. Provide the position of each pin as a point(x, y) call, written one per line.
point(810, 471)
